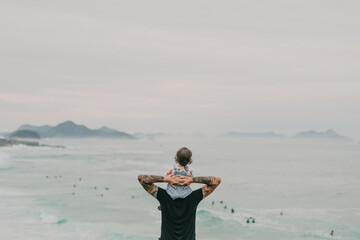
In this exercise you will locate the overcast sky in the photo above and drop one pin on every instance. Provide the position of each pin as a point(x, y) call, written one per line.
point(182, 66)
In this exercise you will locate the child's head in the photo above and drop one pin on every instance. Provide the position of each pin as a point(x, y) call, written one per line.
point(183, 156)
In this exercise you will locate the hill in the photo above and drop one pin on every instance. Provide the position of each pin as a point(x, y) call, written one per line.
point(25, 134)
point(69, 129)
point(329, 134)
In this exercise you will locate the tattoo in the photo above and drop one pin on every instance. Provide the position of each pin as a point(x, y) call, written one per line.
point(211, 184)
point(206, 180)
point(205, 191)
point(154, 194)
point(152, 178)
point(147, 181)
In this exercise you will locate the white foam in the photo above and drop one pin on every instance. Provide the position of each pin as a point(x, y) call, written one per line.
point(50, 219)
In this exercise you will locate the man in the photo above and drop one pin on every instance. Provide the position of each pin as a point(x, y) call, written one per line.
point(178, 216)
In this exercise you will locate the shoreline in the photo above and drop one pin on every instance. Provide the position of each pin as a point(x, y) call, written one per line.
point(6, 142)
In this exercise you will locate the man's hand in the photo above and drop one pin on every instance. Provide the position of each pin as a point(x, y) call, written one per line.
point(179, 180)
point(186, 181)
point(173, 180)
point(147, 181)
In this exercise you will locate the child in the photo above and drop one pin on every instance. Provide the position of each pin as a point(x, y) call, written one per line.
point(183, 159)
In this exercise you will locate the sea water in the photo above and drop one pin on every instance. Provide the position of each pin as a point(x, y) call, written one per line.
point(89, 189)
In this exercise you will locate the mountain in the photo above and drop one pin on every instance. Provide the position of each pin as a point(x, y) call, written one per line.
point(25, 134)
point(108, 130)
point(69, 129)
point(245, 134)
point(329, 134)
point(40, 130)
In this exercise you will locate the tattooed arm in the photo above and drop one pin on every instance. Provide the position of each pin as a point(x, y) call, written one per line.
point(210, 183)
point(147, 182)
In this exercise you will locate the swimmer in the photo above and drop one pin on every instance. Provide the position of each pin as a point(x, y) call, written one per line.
point(332, 233)
point(248, 220)
point(232, 210)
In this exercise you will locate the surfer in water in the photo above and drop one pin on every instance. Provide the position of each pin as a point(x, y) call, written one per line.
point(178, 215)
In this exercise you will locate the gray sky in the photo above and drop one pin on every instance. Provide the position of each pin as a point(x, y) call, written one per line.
point(182, 66)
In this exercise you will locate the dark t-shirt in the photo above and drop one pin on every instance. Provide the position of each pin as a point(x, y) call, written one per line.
point(178, 216)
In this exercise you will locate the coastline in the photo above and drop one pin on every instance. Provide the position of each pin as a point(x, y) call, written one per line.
point(6, 142)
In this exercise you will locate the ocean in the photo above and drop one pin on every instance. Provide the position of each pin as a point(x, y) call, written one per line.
point(294, 189)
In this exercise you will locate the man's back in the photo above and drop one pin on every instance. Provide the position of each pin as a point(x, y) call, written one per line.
point(178, 216)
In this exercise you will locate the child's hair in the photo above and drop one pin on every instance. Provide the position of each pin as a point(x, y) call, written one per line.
point(183, 156)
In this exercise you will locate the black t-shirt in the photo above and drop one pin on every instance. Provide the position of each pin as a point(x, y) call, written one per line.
point(178, 216)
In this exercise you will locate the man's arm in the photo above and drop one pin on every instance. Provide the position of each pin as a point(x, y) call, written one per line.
point(147, 181)
point(210, 183)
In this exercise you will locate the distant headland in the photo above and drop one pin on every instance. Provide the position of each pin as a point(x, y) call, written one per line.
point(329, 134)
point(5, 142)
point(69, 129)
point(29, 135)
